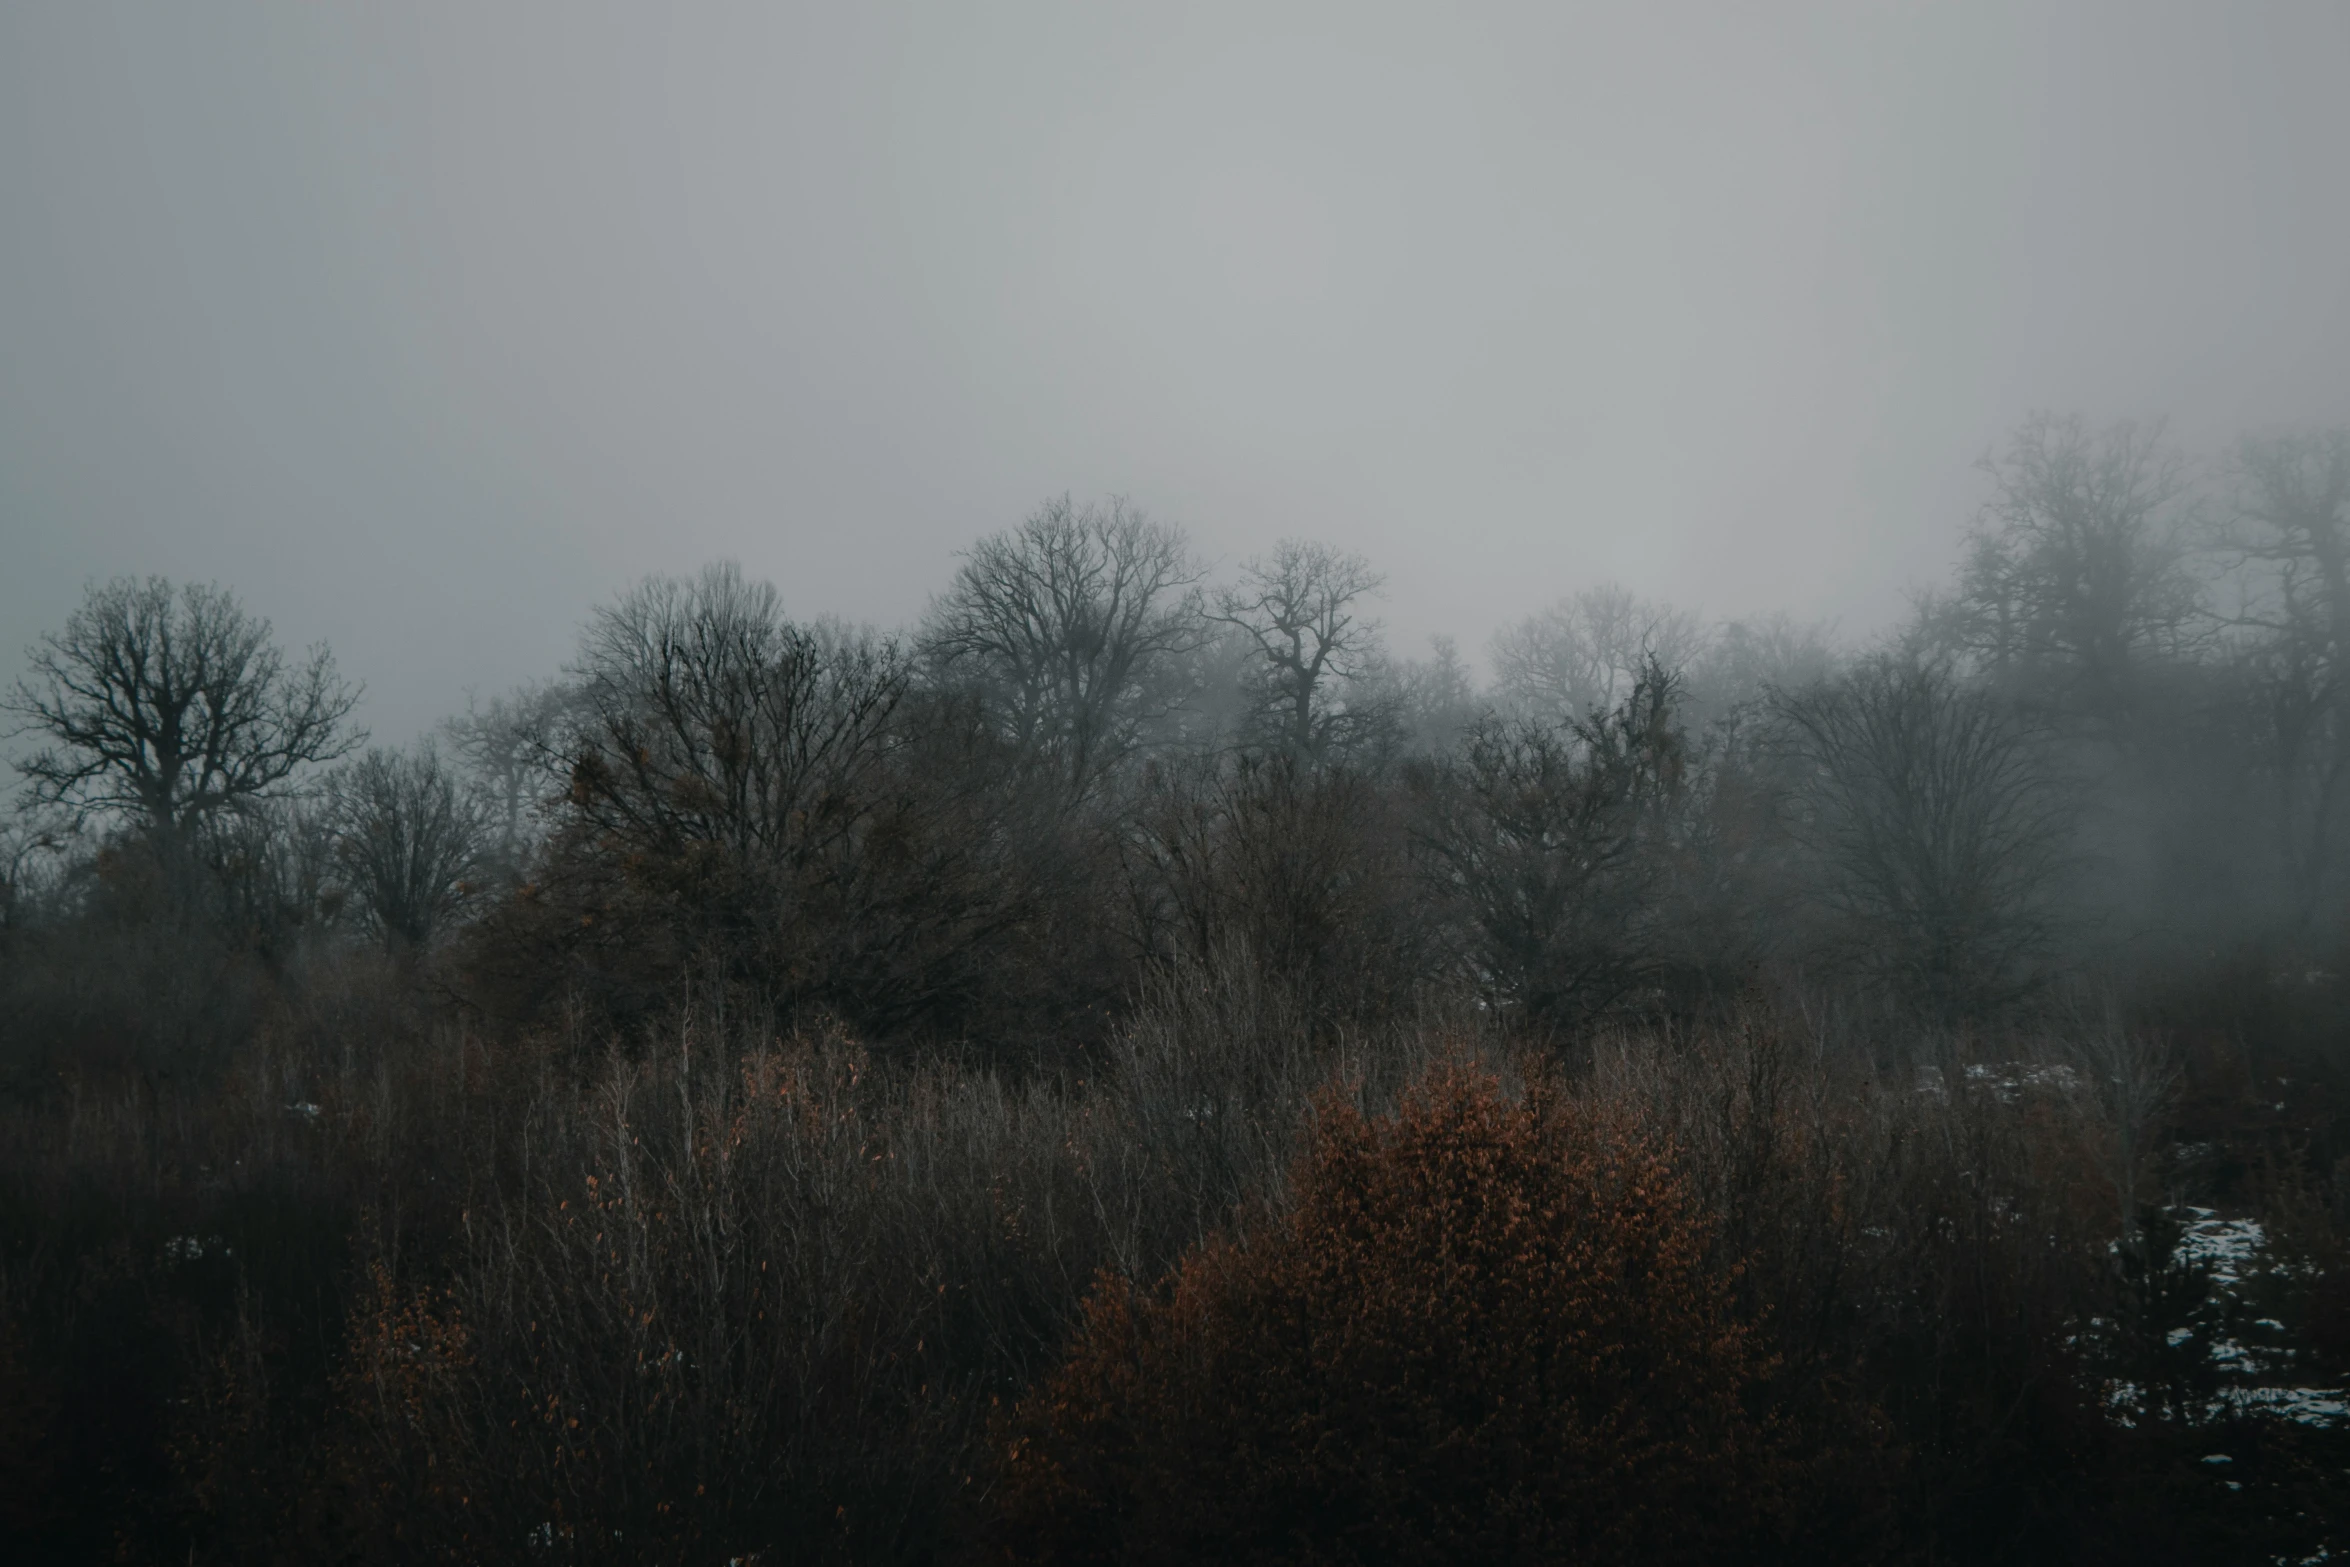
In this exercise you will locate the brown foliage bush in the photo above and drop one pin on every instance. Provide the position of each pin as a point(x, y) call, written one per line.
point(1487, 1329)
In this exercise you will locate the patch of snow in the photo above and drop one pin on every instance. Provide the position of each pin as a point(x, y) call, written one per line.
point(2249, 1355)
point(2309, 1406)
point(2223, 1245)
point(2007, 1080)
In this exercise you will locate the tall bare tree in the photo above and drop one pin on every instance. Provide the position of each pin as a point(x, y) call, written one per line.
point(168, 705)
point(1299, 610)
point(2290, 539)
point(409, 839)
point(1585, 653)
point(1937, 828)
point(1069, 628)
point(2075, 578)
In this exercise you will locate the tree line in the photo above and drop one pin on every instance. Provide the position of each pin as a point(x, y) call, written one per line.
point(2114, 741)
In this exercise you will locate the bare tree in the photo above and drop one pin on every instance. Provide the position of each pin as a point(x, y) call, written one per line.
point(410, 841)
point(1937, 828)
point(1557, 841)
point(170, 705)
point(779, 806)
point(1435, 700)
point(513, 746)
point(1069, 628)
point(2075, 576)
point(1299, 611)
point(1585, 653)
point(2290, 541)
point(705, 717)
point(2292, 508)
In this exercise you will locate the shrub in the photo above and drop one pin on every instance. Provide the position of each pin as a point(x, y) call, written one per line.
point(1484, 1330)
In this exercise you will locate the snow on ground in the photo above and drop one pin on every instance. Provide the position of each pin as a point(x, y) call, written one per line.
point(2007, 1079)
point(2249, 1354)
point(2226, 1246)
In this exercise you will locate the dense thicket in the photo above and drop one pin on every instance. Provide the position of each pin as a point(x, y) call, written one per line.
point(721, 1101)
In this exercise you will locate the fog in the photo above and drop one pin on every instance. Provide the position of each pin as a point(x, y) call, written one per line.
point(1010, 783)
point(426, 328)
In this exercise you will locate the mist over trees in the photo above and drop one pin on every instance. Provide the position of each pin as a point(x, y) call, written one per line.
point(2129, 677)
point(780, 1047)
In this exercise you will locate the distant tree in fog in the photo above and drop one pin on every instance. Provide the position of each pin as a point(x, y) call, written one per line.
point(512, 745)
point(1938, 832)
point(1744, 660)
point(1298, 610)
point(2290, 540)
point(409, 839)
point(170, 705)
point(2293, 516)
point(2075, 578)
point(1070, 629)
point(1436, 701)
point(1585, 653)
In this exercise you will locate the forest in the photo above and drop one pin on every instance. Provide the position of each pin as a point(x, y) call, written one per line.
point(1133, 1067)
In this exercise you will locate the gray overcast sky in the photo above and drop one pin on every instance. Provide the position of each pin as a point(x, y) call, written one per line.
point(427, 326)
